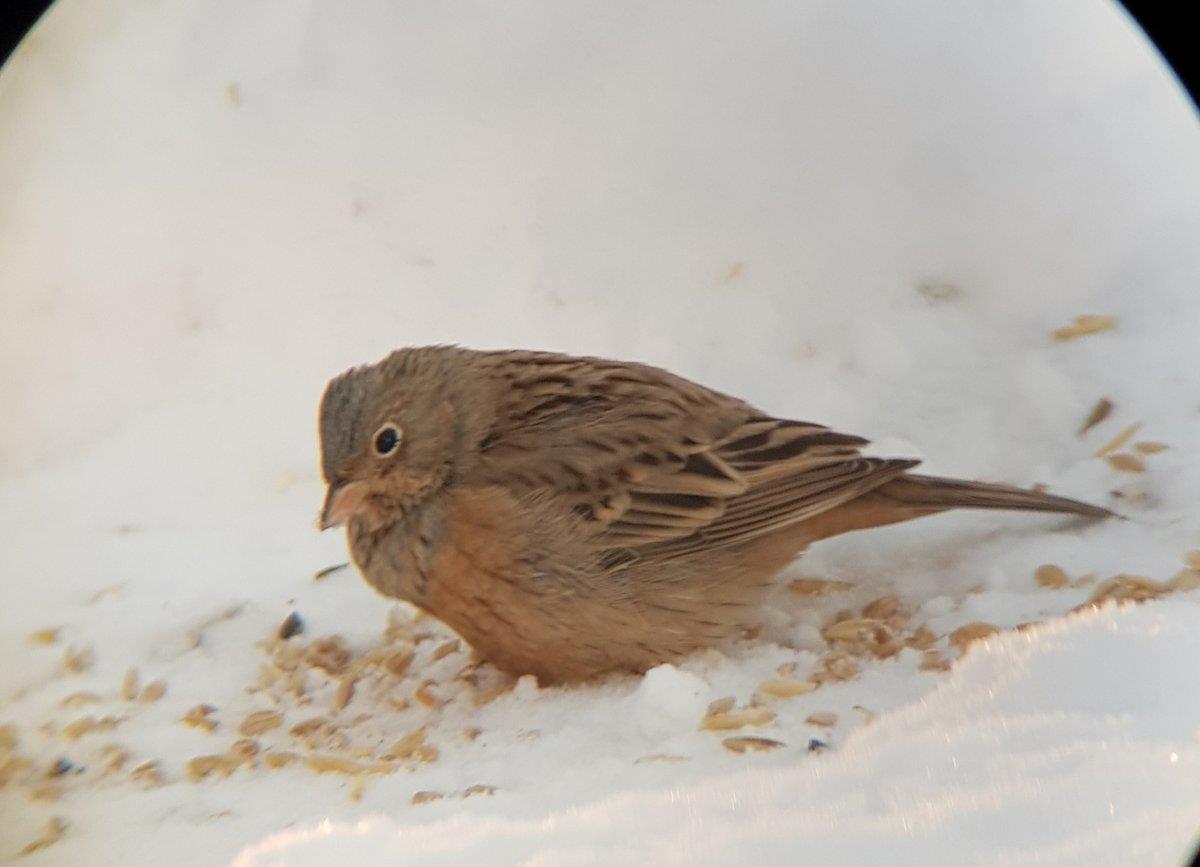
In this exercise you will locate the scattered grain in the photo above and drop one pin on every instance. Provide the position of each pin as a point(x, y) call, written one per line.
point(1127, 588)
point(670, 758)
point(110, 590)
point(329, 654)
point(939, 293)
point(397, 662)
point(407, 745)
point(129, 684)
point(922, 638)
point(53, 832)
point(88, 724)
point(328, 764)
point(836, 666)
point(199, 718)
point(45, 636)
point(344, 693)
point(426, 696)
point(114, 758)
point(153, 691)
point(721, 705)
point(1099, 413)
point(736, 719)
point(329, 570)
point(259, 722)
point(147, 774)
point(932, 660)
point(292, 625)
point(1049, 575)
point(77, 660)
point(851, 630)
point(427, 754)
point(1126, 462)
point(966, 635)
point(869, 716)
point(276, 760)
point(882, 608)
point(1186, 580)
point(244, 750)
point(1118, 441)
point(745, 743)
point(817, 586)
point(785, 687)
point(201, 767)
point(1084, 325)
point(79, 699)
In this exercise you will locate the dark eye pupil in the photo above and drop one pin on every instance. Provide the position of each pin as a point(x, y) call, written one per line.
point(386, 440)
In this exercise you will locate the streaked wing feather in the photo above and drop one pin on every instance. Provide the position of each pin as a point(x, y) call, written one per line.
point(805, 499)
point(657, 465)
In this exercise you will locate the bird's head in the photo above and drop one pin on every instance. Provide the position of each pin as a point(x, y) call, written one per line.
point(392, 434)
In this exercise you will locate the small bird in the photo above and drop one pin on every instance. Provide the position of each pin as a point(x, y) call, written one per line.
point(572, 516)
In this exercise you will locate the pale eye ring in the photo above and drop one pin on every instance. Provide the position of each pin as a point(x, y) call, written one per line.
point(387, 439)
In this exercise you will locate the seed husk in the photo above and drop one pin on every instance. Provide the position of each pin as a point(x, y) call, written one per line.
point(817, 586)
point(969, 633)
point(786, 687)
point(51, 834)
point(1126, 463)
point(736, 719)
point(1049, 575)
point(743, 743)
point(1084, 325)
point(260, 722)
point(45, 636)
point(153, 691)
point(1099, 413)
point(129, 684)
point(1118, 441)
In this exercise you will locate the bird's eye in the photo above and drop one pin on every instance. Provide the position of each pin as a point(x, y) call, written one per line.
point(387, 440)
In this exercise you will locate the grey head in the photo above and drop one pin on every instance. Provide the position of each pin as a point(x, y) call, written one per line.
point(393, 432)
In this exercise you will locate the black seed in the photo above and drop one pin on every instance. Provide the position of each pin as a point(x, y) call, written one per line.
point(293, 625)
point(329, 570)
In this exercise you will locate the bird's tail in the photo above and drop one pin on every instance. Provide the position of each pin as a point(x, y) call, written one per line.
point(934, 493)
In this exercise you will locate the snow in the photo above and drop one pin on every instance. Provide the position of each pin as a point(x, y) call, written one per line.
point(868, 215)
point(997, 761)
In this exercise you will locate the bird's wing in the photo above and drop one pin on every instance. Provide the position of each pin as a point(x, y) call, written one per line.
point(657, 465)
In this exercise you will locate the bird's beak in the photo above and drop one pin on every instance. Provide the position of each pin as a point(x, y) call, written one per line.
point(341, 501)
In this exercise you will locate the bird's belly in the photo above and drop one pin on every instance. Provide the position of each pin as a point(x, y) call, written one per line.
point(524, 591)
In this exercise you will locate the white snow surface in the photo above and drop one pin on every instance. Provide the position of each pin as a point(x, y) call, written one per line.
point(870, 215)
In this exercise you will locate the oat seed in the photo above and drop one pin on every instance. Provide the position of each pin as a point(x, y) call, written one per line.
point(1051, 576)
point(786, 687)
point(153, 691)
point(259, 722)
point(744, 744)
